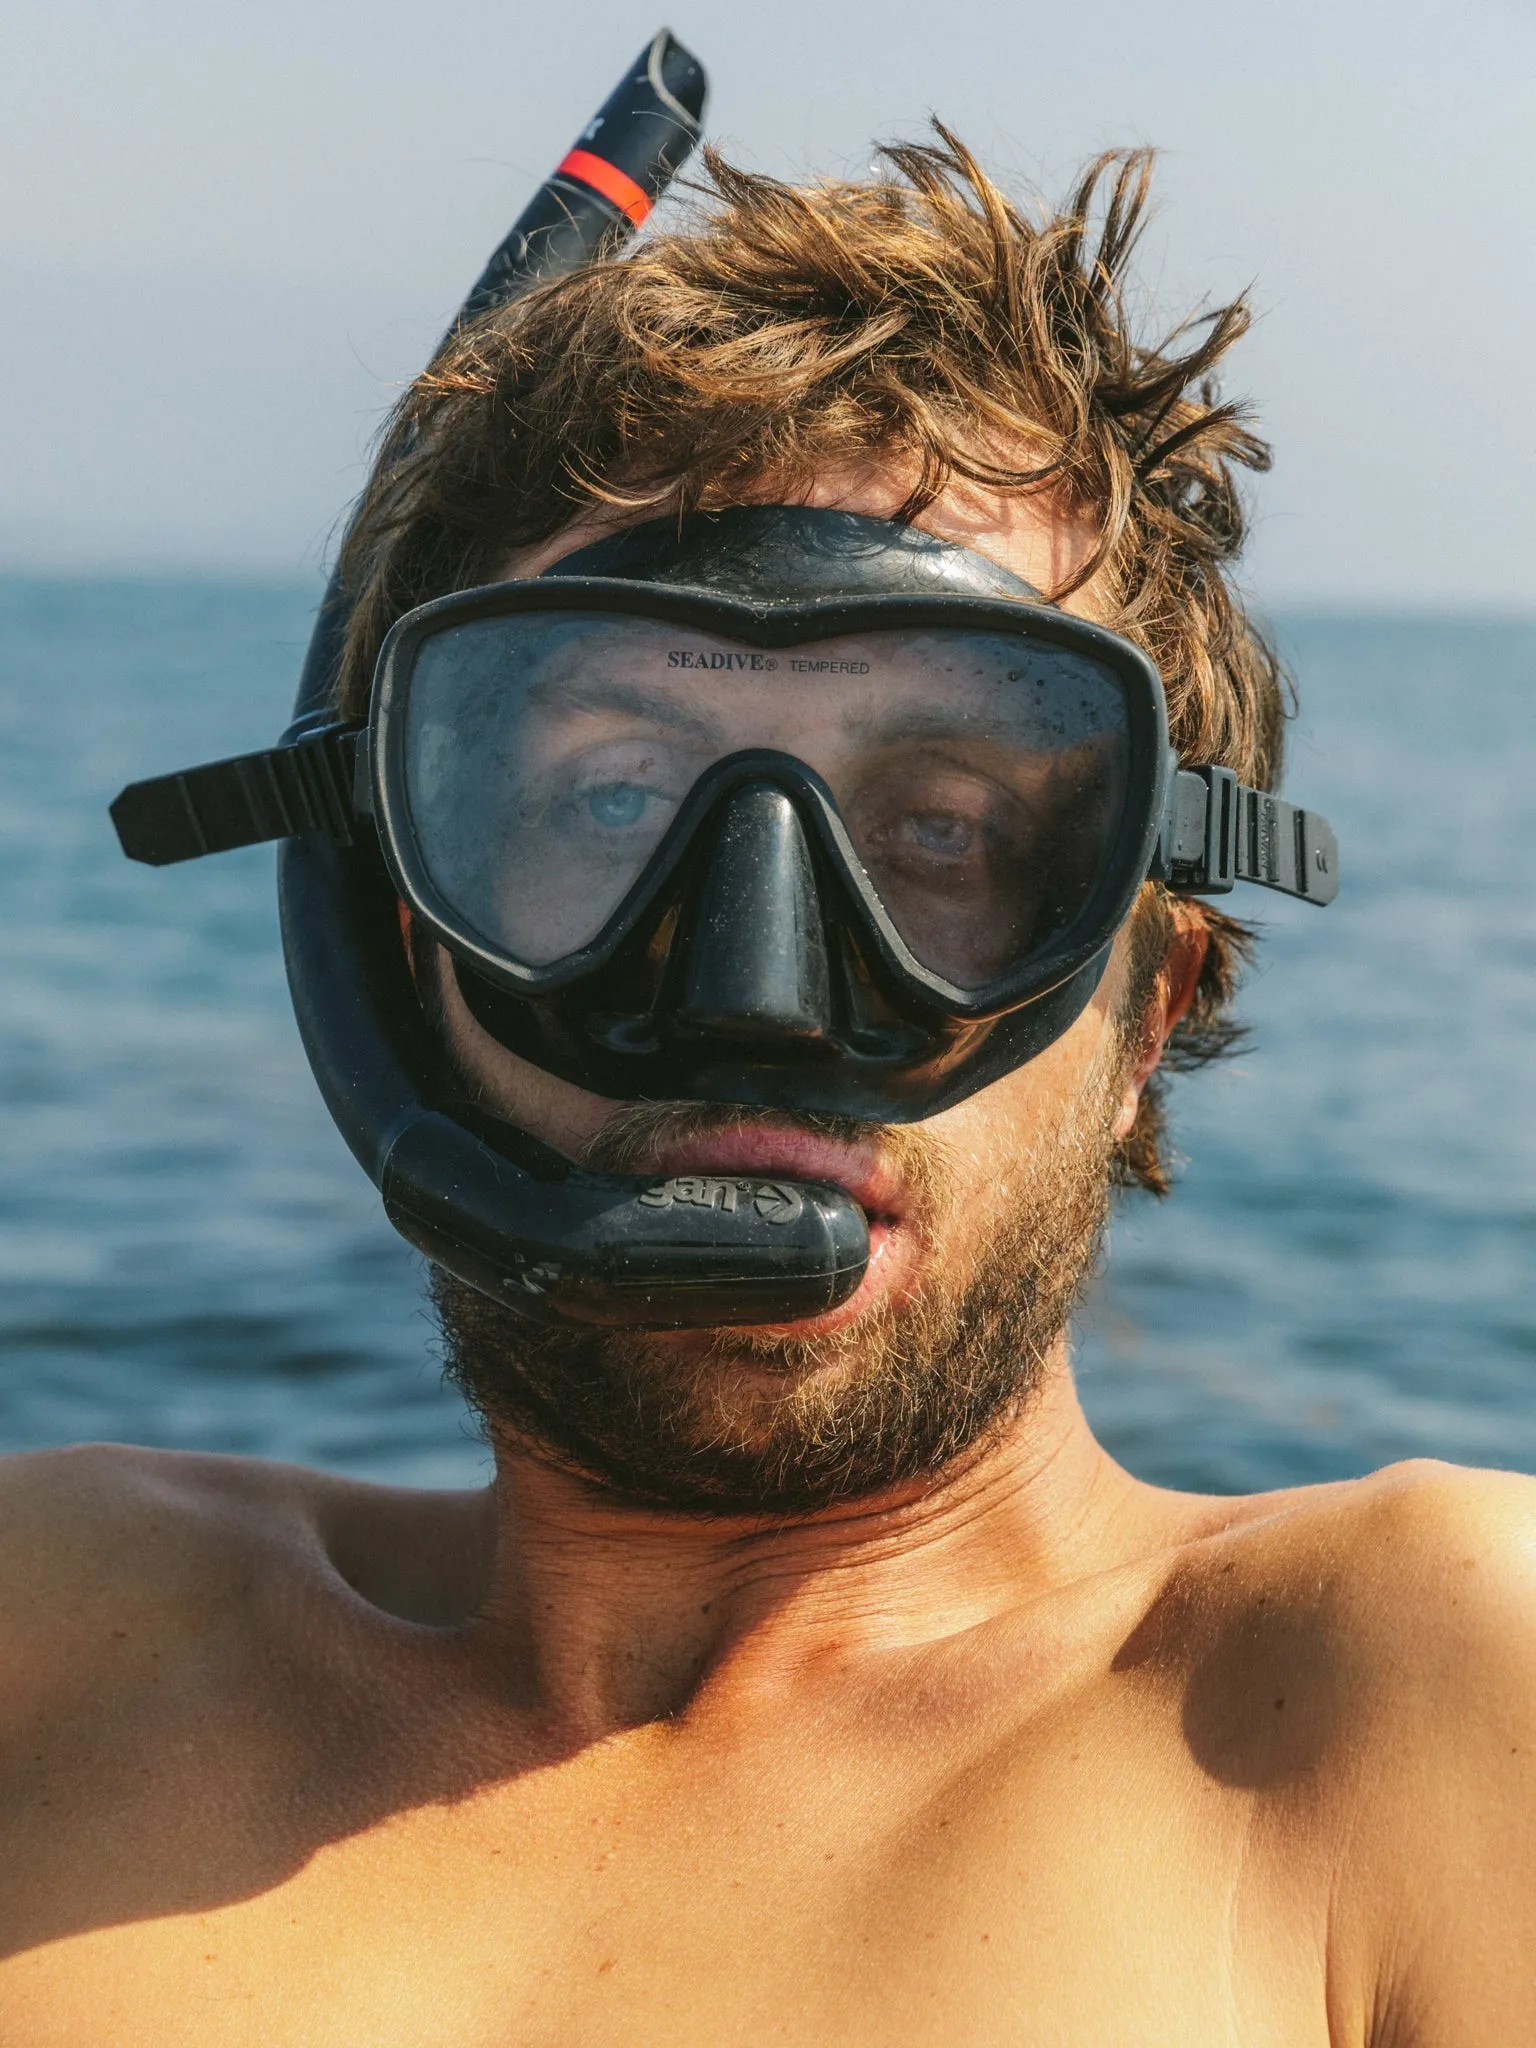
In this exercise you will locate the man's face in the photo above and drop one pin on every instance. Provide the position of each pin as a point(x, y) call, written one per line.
point(983, 1222)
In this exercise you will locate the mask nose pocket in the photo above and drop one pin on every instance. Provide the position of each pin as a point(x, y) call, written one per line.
point(756, 965)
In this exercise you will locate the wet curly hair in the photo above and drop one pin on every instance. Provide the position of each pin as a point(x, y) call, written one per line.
point(920, 318)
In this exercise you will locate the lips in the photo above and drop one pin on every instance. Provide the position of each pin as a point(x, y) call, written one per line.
point(771, 1153)
point(789, 1154)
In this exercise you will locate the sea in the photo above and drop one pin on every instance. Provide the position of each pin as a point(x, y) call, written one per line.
point(1344, 1275)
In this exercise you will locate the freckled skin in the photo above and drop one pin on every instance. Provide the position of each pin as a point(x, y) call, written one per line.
point(1033, 1754)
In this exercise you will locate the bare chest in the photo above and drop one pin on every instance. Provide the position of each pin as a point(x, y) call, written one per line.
point(1073, 1894)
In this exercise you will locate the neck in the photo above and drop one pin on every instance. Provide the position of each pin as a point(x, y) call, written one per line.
point(606, 1615)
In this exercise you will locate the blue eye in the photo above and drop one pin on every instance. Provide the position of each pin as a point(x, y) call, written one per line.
point(944, 835)
point(616, 804)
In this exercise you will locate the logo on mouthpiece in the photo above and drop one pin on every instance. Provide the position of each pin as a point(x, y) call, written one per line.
point(775, 1201)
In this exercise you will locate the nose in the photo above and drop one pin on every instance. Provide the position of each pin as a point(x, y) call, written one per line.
point(757, 956)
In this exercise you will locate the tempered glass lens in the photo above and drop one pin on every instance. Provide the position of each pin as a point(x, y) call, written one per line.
point(981, 777)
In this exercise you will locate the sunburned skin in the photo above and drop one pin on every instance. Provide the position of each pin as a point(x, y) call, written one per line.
point(1031, 1754)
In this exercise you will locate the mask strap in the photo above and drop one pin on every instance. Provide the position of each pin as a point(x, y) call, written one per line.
point(1218, 832)
point(307, 787)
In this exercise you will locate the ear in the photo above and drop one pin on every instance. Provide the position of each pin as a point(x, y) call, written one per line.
point(1173, 990)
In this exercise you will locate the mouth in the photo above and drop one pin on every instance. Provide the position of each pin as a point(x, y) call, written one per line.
point(860, 1171)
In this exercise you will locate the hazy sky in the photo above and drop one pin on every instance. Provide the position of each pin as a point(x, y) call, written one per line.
point(231, 231)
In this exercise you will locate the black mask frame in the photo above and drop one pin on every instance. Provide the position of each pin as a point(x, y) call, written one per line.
point(751, 961)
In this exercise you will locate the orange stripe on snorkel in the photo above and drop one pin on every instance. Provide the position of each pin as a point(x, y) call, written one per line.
point(620, 190)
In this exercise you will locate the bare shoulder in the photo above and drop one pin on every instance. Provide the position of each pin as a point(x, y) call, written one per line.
point(101, 1539)
point(84, 1493)
point(101, 1525)
point(1428, 1571)
point(1398, 1615)
point(1433, 1571)
point(1408, 1597)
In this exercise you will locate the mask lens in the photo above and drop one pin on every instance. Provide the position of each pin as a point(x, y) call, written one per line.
point(984, 793)
point(981, 777)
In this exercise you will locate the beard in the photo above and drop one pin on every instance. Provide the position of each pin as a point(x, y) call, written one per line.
point(761, 1422)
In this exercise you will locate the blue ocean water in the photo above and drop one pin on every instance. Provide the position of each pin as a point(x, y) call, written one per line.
point(1346, 1274)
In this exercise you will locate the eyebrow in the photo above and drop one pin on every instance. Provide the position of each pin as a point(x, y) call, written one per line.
point(921, 724)
point(947, 724)
point(630, 698)
point(936, 722)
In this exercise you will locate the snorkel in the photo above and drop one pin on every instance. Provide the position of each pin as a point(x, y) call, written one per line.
point(758, 953)
point(504, 1212)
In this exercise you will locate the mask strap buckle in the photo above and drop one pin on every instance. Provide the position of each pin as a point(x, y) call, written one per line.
point(1218, 832)
point(299, 790)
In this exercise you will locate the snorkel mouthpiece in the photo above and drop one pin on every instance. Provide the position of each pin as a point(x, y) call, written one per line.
point(618, 1251)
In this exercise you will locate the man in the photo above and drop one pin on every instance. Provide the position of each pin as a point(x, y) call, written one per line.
point(816, 1679)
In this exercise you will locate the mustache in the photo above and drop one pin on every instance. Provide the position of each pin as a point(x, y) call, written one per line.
point(635, 1134)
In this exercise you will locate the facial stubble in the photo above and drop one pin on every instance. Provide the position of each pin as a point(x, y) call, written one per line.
point(738, 1421)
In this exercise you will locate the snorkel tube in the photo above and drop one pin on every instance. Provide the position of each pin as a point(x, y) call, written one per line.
point(504, 1212)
